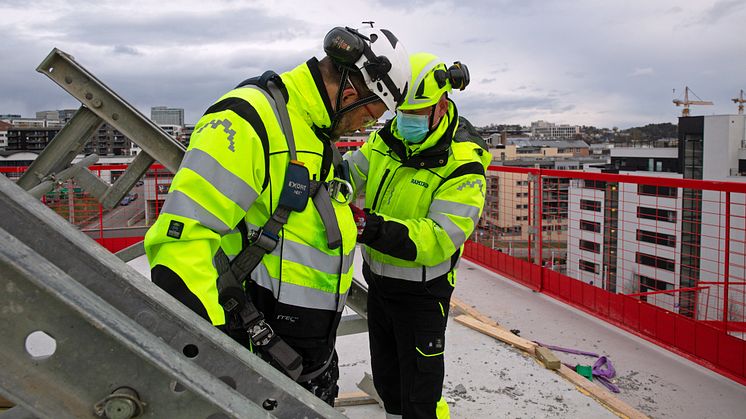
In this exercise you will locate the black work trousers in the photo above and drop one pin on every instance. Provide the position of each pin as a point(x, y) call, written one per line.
point(406, 326)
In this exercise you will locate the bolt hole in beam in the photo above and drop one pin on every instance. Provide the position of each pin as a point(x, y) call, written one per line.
point(190, 350)
point(229, 380)
point(51, 69)
point(40, 345)
point(177, 388)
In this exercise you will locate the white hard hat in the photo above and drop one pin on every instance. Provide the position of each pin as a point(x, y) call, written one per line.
point(378, 55)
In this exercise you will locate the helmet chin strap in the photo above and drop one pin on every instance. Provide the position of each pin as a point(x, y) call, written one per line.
point(339, 113)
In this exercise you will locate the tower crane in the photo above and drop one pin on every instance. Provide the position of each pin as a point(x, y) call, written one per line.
point(686, 102)
point(740, 101)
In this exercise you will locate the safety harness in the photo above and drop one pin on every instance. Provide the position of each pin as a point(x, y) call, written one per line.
point(242, 314)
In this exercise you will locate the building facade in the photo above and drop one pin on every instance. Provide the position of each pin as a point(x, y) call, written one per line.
point(667, 243)
point(163, 115)
point(543, 129)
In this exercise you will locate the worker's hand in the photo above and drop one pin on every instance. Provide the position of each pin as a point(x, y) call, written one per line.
point(360, 220)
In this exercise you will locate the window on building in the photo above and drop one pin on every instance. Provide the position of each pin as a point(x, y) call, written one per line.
point(656, 238)
point(521, 195)
point(521, 183)
point(521, 206)
point(587, 266)
point(589, 205)
point(590, 246)
point(510, 231)
point(522, 218)
point(653, 190)
point(655, 261)
point(595, 184)
point(590, 226)
point(648, 284)
point(656, 214)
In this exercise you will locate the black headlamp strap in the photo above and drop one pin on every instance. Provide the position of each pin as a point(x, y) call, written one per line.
point(377, 65)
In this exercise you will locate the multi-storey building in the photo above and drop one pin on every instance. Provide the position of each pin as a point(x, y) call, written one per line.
point(108, 141)
point(163, 115)
point(33, 139)
point(634, 238)
point(61, 116)
point(4, 127)
point(550, 130)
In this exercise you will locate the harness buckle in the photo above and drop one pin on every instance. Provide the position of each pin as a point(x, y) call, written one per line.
point(342, 187)
point(263, 240)
point(261, 333)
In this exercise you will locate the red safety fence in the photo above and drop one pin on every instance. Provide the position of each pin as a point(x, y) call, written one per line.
point(659, 256)
point(120, 226)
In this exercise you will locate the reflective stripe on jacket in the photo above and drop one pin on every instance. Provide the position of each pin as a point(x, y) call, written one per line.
point(429, 195)
point(233, 173)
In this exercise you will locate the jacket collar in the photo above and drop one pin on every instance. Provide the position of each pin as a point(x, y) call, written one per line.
point(433, 152)
point(307, 94)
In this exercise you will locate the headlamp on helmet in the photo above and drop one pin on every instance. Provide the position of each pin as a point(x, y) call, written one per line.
point(431, 78)
point(378, 55)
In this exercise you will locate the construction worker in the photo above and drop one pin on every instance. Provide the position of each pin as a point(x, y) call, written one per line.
point(260, 204)
point(423, 175)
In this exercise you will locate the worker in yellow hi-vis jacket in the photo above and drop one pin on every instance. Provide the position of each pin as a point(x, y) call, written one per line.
point(256, 235)
point(423, 175)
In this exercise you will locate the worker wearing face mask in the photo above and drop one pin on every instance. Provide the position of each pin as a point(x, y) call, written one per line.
point(423, 176)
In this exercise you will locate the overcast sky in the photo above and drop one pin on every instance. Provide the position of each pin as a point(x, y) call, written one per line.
point(587, 62)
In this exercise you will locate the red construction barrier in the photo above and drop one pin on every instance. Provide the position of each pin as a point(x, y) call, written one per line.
point(660, 257)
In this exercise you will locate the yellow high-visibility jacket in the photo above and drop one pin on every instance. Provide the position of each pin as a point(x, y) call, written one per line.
point(426, 199)
point(229, 184)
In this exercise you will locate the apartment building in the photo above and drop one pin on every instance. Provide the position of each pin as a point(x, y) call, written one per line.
point(668, 242)
point(163, 115)
point(545, 129)
point(4, 127)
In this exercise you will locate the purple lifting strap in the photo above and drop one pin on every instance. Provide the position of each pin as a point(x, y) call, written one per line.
point(603, 369)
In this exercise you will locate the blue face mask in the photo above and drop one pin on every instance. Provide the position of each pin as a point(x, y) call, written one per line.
point(413, 128)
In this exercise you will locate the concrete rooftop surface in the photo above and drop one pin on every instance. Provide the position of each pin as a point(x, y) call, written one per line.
point(486, 378)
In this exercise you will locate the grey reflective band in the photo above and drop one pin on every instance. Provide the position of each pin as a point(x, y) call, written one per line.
point(178, 203)
point(454, 208)
point(298, 295)
point(404, 273)
point(393, 416)
point(457, 236)
point(360, 161)
point(313, 258)
point(420, 77)
point(227, 183)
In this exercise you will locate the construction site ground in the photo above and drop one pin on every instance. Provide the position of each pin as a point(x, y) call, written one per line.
point(488, 378)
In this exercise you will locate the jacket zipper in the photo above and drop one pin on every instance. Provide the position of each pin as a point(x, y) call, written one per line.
point(380, 186)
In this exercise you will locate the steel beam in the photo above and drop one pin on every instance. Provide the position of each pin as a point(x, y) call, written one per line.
point(101, 272)
point(124, 184)
point(92, 350)
point(63, 148)
point(104, 102)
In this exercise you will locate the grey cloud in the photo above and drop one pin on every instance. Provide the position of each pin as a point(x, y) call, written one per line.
point(721, 9)
point(488, 80)
point(177, 28)
point(497, 102)
point(264, 60)
point(124, 49)
point(478, 40)
point(562, 109)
